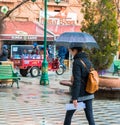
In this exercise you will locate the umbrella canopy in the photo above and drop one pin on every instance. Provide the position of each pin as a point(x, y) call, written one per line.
point(76, 39)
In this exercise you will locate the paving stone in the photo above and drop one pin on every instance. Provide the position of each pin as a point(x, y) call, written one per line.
point(34, 102)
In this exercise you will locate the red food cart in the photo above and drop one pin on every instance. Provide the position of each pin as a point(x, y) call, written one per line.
point(32, 63)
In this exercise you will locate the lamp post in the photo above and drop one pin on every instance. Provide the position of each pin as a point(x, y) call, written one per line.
point(44, 78)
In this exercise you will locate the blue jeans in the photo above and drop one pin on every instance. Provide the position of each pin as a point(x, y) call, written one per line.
point(88, 112)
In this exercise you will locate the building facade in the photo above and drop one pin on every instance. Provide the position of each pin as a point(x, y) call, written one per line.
point(27, 12)
point(60, 16)
point(30, 11)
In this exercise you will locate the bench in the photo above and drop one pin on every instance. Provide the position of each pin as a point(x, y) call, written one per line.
point(6, 73)
point(116, 67)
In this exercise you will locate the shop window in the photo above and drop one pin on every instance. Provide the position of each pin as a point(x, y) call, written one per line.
point(37, 19)
point(56, 10)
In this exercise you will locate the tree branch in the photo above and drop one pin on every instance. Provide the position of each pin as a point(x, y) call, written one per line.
point(10, 11)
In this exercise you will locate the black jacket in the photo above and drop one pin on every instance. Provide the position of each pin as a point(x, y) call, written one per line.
point(4, 55)
point(80, 74)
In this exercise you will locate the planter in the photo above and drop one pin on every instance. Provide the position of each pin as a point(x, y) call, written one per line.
point(109, 82)
point(108, 93)
point(109, 88)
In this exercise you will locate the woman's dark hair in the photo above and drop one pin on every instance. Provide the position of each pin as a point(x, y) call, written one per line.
point(79, 49)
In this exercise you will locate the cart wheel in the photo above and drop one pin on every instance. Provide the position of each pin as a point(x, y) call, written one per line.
point(60, 71)
point(35, 71)
point(23, 72)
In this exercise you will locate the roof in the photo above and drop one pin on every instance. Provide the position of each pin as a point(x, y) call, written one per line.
point(17, 27)
point(59, 29)
point(30, 31)
point(24, 31)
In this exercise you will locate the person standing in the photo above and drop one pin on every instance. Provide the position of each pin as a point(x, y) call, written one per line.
point(25, 54)
point(61, 54)
point(79, 79)
point(51, 51)
point(4, 53)
point(35, 49)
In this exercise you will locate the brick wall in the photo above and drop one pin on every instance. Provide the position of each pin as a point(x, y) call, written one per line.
point(30, 11)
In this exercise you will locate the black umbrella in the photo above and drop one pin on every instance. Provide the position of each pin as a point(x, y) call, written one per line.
point(76, 39)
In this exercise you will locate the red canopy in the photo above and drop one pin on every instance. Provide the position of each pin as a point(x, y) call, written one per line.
point(29, 31)
point(59, 29)
point(18, 30)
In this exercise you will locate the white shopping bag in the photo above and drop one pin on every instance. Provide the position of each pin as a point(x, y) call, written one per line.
point(70, 106)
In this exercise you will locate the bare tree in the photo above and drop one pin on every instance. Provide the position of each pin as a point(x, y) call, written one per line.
point(2, 16)
point(10, 11)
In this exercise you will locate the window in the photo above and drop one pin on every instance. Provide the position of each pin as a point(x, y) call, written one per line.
point(56, 10)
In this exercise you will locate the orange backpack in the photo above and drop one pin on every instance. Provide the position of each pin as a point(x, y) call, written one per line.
point(92, 84)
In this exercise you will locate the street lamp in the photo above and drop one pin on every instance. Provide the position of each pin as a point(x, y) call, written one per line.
point(44, 78)
point(4, 9)
point(57, 1)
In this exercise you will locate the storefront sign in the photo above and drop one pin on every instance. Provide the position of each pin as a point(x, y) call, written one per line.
point(59, 18)
point(24, 38)
point(57, 21)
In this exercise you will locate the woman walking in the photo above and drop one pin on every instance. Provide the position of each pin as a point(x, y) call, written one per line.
point(78, 93)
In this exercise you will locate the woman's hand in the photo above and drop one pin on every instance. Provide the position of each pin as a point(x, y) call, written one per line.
point(75, 103)
point(72, 79)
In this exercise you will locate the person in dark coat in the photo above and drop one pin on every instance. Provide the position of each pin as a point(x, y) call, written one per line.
point(4, 53)
point(78, 93)
point(61, 54)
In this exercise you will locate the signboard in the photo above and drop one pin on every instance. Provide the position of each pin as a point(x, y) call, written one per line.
point(25, 37)
point(59, 18)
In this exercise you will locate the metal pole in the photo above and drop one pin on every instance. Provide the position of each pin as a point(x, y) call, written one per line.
point(44, 78)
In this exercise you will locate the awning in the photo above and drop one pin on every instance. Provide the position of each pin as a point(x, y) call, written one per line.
point(15, 37)
point(30, 31)
point(24, 31)
point(59, 29)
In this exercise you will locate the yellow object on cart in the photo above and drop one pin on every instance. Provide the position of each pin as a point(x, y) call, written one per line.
point(67, 63)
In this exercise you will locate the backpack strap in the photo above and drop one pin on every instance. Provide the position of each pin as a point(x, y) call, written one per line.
point(91, 68)
point(85, 68)
point(84, 64)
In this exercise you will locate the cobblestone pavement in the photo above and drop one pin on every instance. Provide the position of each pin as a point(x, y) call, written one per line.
point(32, 104)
